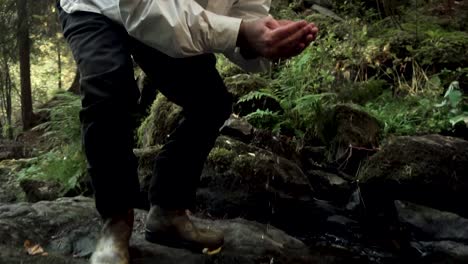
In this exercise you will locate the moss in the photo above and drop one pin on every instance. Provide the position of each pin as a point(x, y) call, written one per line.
point(443, 49)
point(163, 118)
point(362, 92)
point(221, 158)
point(242, 84)
point(226, 68)
point(253, 167)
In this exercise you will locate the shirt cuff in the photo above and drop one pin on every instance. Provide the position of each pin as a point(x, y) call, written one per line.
point(225, 32)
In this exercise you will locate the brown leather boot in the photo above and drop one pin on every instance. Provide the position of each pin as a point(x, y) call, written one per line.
point(113, 242)
point(175, 229)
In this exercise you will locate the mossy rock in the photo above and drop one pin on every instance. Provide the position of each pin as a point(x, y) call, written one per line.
point(351, 135)
point(431, 170)
point(163, 119)
point(226, 68)
point(244, 180)
point(361, 92)
point(242, 84)
point(11, 190)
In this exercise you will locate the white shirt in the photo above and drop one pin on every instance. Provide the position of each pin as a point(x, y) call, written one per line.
point(182, 28)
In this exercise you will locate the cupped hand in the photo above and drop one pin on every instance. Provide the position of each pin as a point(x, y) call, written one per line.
point(275, 39)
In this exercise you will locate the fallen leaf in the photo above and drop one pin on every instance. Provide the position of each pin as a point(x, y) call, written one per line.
point(34, 250)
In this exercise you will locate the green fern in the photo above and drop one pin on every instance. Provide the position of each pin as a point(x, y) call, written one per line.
point(258, 95)
point(63, 160)
point(265, 119)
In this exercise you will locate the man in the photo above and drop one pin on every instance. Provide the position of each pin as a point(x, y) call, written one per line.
point(173, 41)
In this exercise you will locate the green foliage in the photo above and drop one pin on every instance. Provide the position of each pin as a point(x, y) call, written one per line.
point(225, 67)
point(455, 103)
point(393, 60)
point(444, 48)
point(264, 119)
point(63, 160)
point(63, 128)
point(409, 115)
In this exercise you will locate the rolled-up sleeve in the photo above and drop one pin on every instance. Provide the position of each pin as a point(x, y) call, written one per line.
point(179, 28)
point(249, 10)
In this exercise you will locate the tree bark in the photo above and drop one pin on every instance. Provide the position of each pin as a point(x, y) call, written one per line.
point(59, 66)
point(75, 86)
point(7, 87)
point(25, 64)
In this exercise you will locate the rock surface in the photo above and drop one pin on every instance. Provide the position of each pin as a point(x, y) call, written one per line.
point(10, 190)
point(163, 119)
point(430, 170)
point(440, 235)
point(67, 230)
point(12, 150)
point(352, 136)
point(243, 180)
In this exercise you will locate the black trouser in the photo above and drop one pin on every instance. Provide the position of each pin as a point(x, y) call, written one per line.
point(103, 51)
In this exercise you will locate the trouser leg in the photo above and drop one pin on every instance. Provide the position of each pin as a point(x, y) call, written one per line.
point(194, 84)
point(109, 102)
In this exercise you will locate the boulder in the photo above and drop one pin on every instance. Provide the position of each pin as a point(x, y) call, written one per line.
point(278, 144)
point(12, 150)
point(243, 84)
point(243, 180)
point(10, 190)
point(37, 190)
point(67, 229)
point(238, 128)
point(240, 179)
point(440, 235)
point(351, 136)
point(431, 170)
point(330, 186)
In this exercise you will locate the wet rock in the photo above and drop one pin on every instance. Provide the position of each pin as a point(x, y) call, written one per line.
point(433, 224)
point(430, 170)
point(352, 135)
point(313, 156)
point(440, 235)
point(238, 128)
point(243, 180)
point(67, 229)
point(277, 144)
point(444, 251)
point(330, 186)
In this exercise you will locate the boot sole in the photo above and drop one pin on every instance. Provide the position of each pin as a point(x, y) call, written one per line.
point(165, 241)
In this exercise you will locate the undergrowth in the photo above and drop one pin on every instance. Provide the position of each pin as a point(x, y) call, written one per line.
point(62, 159)
point(409, 72)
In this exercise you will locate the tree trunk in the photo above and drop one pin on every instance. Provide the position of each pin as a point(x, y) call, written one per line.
point(59, 66)
point(8, 108)
point(7, 86)
point(25, 64)
point(75, 86)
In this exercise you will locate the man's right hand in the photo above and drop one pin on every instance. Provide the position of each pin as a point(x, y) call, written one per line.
point(274, 39)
